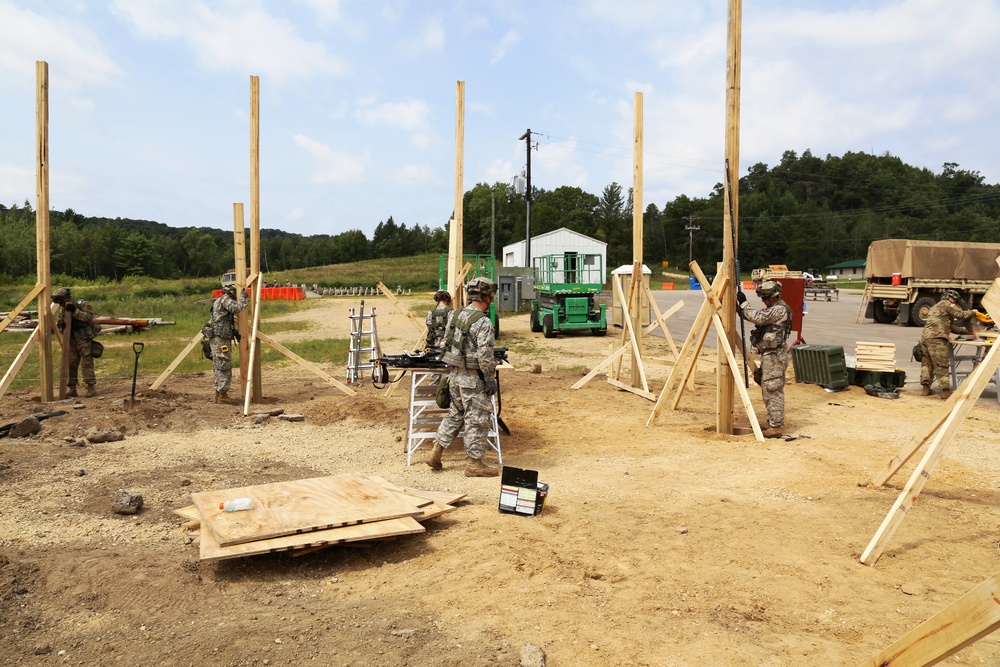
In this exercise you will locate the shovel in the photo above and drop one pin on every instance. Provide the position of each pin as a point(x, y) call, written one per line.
point(137, 348)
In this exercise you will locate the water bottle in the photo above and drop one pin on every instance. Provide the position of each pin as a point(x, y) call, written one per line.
point(236, 504)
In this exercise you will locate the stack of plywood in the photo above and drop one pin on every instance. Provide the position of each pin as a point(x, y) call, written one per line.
point(310, 514)
point(875, 357)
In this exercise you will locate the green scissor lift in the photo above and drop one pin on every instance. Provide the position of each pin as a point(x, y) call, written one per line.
point(566, 285)
point(483, 266)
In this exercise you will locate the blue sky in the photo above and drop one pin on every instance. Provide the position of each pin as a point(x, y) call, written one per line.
point(149, 99)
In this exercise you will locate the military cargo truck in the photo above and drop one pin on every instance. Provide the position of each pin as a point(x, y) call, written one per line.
point(904, 278)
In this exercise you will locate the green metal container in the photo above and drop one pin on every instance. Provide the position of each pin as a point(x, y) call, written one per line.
point(820, 364)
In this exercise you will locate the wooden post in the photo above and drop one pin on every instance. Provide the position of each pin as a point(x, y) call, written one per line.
point(726, 383)
point(455, 249)
point(258, 392)
point(42, 235)
point(636, 293)
point(240, 264)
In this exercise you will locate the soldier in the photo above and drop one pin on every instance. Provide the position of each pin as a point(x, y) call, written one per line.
point(939, 326)
point(437, 319)
point(774, 323)
point(472, 380)
point(223, 330)
point(82, 332)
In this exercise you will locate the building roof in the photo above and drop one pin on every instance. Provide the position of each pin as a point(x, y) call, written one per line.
point(565, 230)
point(853, 264)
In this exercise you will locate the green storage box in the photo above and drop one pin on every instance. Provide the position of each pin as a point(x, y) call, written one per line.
point(820, 364)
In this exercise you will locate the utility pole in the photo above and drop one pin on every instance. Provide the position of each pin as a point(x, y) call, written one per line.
point(526, 137)
point(691, 230)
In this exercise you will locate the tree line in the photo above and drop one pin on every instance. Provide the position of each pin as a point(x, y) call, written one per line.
point(806, 212)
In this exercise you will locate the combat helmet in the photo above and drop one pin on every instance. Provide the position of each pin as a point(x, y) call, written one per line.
point(480, 288)
point(950, 294)
point(442, 295)
point(229, 290)
point(60, 295)
point(769, 288)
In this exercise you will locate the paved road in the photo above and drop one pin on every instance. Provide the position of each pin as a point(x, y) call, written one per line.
point(825, 323)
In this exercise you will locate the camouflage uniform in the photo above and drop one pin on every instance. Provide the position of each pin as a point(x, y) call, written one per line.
point(769, 338)
point(437, 324)
point(937, 330)
point(474, 361)
point(223, 327)
point(82, 332)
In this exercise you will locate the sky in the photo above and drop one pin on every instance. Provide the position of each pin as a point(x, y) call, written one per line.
point(149, 100)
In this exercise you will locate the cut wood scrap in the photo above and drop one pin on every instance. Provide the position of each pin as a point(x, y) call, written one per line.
point(963, 622)
point(210, 549)
point(190, 512)
point(312, 504)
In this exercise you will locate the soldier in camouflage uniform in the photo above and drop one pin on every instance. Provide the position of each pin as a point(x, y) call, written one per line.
point(437, 319)
point(774, 323)
point(939, 326)
point(82, 332)
point(472, 380)
point(223, 331)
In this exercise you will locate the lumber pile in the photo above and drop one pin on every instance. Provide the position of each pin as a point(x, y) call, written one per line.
point(875, 357)
point(306, 515)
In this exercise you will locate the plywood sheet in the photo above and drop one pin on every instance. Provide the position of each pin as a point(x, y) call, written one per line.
point(441, 497)
point(210, 549)
point(284, 508)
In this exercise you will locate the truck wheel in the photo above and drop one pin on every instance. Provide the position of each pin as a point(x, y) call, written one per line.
point(597, 331)
point(533, 322)
point(547, 329)
point(920, 309)
point(880, 314)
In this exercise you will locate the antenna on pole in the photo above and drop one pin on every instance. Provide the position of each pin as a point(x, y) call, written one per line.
point(526, 138)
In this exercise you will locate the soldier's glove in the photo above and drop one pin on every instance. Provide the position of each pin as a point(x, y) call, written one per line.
point(70, 307)
point(237, 336)
point(490, 387)
point(741, 298)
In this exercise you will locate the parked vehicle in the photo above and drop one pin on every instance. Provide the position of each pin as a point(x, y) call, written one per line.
point(904, 278)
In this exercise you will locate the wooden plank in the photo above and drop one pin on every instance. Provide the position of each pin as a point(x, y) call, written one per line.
point(190, 512)
point(638, 391)
point(308, 365)
point(420, 326)
point(302, 505)
point(440, 497)
point(176, 362)
point(967, 620)
point(19, 360)
point(601, 366)
point(21, 306)
point(210, 549)
point(968, 394)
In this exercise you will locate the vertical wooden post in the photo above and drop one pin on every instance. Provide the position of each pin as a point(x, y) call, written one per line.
point(239, 255)
point(42, 236)
point(455, 249)
point(726, 384)
point(258, 392)
point(636, 292)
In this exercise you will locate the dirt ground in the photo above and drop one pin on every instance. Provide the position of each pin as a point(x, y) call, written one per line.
point(664, 545)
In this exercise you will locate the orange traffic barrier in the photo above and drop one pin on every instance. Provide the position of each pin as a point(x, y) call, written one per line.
point(668, 285)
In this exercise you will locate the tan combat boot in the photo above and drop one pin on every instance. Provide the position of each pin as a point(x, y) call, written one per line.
point(91, 390)
point(925, 390)
point(945, 394)
point(71, 391)
point(434, 460)
point(772, 432)
point(223, 397)
point(478, 468)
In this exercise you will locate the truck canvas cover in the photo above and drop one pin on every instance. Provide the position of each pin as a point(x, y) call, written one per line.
point(940, 260)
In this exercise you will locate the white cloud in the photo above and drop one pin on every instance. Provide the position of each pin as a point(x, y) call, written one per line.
point(333, 167)
point(295, 214)
point(15, 181)
point(506, 43)
point(245, 39)
point(429, 36)
point(75, 55)
point(328, 11)
point(416, 174)
point(408, 115)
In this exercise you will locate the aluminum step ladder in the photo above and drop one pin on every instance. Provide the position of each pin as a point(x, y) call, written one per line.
point(364, 347)
point(426, 416)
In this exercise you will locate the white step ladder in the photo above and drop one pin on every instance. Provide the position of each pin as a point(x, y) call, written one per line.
point(364, 339)
point(426, 416)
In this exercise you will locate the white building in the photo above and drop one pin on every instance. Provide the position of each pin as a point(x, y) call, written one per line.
point(556, 242)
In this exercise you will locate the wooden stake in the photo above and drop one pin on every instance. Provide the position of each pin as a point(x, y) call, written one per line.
point(42, 250)
point(254, 359)
point(963, 622)
point(637, 212)
point(240, 264)
point(455, 249)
